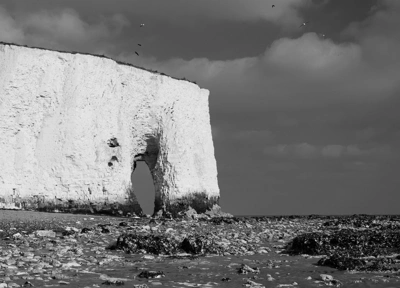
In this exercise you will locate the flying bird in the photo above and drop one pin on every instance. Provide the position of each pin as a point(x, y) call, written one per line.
point(136, 53)
point(304, 24)
point(141, 25)
point(139, 44)
point(273, 6)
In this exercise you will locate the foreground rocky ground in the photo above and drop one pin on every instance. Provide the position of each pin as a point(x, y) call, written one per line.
point(361, 243)
point(50, 250)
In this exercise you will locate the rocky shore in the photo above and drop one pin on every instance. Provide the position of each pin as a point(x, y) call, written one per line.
point(50, 250)
point(361, 243)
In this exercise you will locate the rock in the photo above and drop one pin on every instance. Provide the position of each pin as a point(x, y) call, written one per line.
point(17, 236)
point(68, 232)
point(70, 264)
point(139, 115)
point(347, 248)
point(342, 262)
point(159, 214)
point(216, 211)
point(134, 216)
point(45, 233)
point(105, 230)
point(76, 230)
point(151, 274)
point(154, 244)
point(189, 214)
point(148, 257)
point(326, 277)
point(250, 283)
point(200, 244)
point(115, 282)
point(86, 230)
point(245, 269)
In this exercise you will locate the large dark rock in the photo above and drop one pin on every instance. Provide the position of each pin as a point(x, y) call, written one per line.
point(342, 262)
point(154, 244)
point(355, 243)
point(347, 248)
point(200, 244)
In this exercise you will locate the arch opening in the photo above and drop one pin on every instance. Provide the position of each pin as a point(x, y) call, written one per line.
point(143, 187)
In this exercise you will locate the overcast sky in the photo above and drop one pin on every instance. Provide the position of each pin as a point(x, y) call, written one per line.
point(302, 123)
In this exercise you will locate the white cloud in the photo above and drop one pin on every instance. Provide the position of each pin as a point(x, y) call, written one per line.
point(312, 53)
point(308, 71)
point(378, 34)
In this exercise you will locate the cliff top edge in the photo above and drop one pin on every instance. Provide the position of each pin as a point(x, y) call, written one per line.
point(101, 56)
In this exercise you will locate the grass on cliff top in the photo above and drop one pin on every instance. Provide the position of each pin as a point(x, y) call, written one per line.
point(97, 55)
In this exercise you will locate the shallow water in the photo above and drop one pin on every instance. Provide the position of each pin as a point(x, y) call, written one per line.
point(209, 271)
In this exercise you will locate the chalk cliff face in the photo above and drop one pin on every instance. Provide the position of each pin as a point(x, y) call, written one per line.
point(72, 127)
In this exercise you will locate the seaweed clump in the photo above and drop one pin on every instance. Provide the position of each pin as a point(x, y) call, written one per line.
point(200, 244)
point(153, 244)
point(194, 244)
point(349, 249)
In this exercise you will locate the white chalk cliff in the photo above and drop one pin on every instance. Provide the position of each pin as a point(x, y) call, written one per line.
point(73, 125)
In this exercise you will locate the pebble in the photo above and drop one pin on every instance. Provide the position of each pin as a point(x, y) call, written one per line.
point(326, 277)
point(46, 233)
